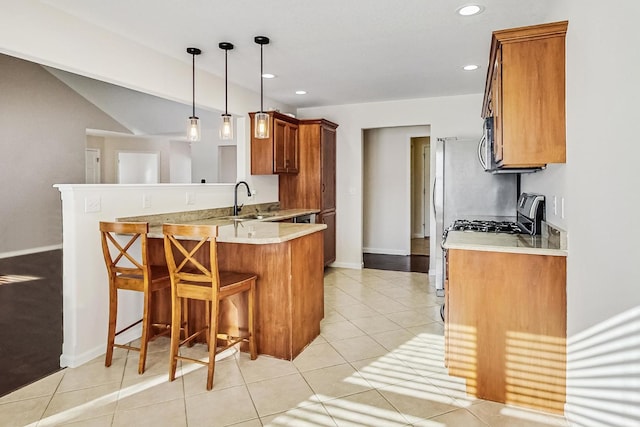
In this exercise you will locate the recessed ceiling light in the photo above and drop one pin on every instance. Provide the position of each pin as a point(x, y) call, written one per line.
point(269, 76)
point(301, 92)
point(470, 67)
point(470, 9)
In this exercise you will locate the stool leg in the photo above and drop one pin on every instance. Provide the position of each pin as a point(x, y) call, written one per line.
point(175, 334)
point(144, 339)
point(113, 314)
point(213, 341)
point(253, 351)
point(185, 316)
point(207, 313)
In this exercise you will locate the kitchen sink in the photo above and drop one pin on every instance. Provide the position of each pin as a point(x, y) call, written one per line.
point(250, 217)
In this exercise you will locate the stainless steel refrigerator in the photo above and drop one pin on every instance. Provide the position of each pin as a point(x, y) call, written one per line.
point(463, 190)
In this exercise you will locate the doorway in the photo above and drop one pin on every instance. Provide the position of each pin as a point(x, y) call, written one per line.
point(92, 166)
point(390, 177)
point(420, 195)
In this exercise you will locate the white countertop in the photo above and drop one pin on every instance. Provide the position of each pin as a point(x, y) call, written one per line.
point(503, 242)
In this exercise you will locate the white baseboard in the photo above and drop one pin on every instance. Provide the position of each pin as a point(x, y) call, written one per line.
point(75, 360)
point(350, 265)
point(30, 251)
point(386, 251)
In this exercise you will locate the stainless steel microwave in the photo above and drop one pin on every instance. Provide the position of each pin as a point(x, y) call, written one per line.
point(486, 153)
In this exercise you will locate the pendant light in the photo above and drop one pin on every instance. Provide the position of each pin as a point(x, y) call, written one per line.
point(226, 121)
point(261, 124)
point(193, 123)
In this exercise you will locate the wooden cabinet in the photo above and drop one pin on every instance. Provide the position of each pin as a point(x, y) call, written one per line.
point(505, 329)
point(277, 154)
point(525, 94)
point(290, 292)
point(314, 186)
point(329, 218)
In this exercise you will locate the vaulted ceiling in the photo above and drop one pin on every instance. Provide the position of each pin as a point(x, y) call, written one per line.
point(339, 51)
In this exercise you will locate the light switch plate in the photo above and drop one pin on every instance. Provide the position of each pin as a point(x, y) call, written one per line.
point(191, 198)
point(92, 204)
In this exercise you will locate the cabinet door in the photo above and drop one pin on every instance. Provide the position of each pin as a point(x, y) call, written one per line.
point(328, 168)
point(329, 218)
point(280, 132)
point(285, 147)
point(291, 149)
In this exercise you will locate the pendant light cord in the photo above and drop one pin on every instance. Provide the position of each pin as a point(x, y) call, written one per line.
point(193, 80)
point(225, 83)
point(261, 83)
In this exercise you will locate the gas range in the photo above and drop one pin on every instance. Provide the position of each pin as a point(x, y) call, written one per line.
point(530, 213)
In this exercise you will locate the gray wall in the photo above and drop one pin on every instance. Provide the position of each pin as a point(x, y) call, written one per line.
point(42, 142)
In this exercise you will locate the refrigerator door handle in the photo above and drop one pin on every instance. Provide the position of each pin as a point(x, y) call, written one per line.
point(481, 150)
point(433, 196)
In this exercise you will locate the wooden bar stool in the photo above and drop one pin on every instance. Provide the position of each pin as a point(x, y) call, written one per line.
point(129, 272)
point(192, 258)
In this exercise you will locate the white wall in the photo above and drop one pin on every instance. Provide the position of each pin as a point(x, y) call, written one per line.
point(42, 141)
point(180, 162)
point(387, 189)
point(600, 185)
point(53, 39)
point(447, 116)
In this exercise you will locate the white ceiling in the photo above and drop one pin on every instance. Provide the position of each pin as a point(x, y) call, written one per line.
point(339, 51)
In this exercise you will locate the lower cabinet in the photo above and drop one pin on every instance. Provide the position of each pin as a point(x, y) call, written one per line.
point(329, 218)
point(505, 327)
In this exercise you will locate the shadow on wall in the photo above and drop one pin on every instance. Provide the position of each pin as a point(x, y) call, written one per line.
point(603, 373)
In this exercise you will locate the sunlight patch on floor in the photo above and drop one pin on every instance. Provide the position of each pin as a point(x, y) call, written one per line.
point(6, 279)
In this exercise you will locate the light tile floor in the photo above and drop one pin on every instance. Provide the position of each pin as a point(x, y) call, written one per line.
point(378, 362)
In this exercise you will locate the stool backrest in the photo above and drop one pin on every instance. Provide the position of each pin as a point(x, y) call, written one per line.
point(191, 254)
point(118, 257)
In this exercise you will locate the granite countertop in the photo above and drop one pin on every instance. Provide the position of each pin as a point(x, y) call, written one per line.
point(241, 229)
point(552, 242)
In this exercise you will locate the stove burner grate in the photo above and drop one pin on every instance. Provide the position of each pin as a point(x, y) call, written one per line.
point(486, 226)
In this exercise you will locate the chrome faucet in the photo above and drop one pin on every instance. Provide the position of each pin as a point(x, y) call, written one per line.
point(236, 208)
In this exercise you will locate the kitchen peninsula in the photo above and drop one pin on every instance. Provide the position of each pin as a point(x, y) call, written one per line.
point(288, 260)
point(282, 253)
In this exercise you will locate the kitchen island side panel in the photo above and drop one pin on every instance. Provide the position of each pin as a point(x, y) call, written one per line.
point(289, 292)
point(307, 290)
point(506, 326)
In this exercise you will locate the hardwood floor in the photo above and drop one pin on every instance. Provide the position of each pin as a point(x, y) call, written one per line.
point(409, 263)
point(30, 318)
point(417, 262)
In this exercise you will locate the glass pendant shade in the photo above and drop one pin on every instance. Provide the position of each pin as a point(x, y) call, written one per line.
point(226, 120)
point(193, 129)
point(226, 127)
point(261, 119)
point(193, 123)
point(261, 125)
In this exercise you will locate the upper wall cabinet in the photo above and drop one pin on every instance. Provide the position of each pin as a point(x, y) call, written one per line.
point(279, 153)
point(525, 94)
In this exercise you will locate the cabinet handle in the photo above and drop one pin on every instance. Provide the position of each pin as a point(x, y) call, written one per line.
point(322, 187)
